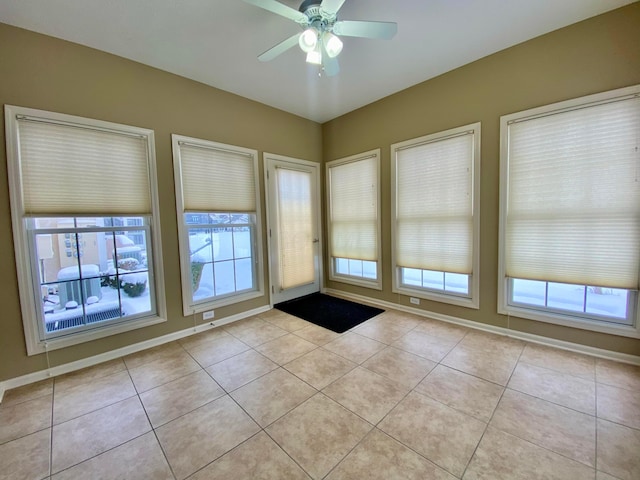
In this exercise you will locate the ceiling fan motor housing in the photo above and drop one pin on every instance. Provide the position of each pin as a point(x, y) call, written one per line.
point(316, 15)
point(308, 5)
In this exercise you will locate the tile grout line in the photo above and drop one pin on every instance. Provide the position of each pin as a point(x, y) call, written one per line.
point(342, 335)
point(261, 343)
point(552, 401)
point(545, 447)
point(412, 390)
point(25, 435)
point(350, 451)
point(264, 429)
point(285, 452)
point(533, 443)
point(400, 441)
point(373, 427)
point(228, 392)
point(153, 429)
point(101, 453)
point(318, 391)
point(158, 348)
point(93, 411)
point(137, 394)
point(3, 404)
point(558, 371)
point(227, 452)
point(191, 411)
point(38, 430)
point(279, 366)
point(493, 413)
point(100, 408)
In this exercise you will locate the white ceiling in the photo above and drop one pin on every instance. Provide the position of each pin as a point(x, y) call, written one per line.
point(216, 42)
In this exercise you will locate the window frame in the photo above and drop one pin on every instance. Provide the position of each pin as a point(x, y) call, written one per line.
point(27, 270)
point(376, 283)
point(506, 305)
point(587, 316)
point(251, 225)
point(33, 232)
point(472, 300)
point(442, 290)
point(189, 306)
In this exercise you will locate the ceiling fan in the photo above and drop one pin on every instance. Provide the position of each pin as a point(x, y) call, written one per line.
point(319, 39)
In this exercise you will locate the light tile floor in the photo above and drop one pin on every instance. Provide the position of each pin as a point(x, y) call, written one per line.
point(274, 397)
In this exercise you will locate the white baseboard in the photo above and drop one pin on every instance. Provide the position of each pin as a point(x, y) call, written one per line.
point(529, 337)
point(121, 352)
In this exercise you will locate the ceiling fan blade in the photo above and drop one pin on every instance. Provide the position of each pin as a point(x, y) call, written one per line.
point(331, 6)
point(282, 47)
point(355, 28)
point(330, 65)
point(280, 9)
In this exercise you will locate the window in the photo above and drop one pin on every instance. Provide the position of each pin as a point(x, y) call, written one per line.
point(218, 208)
point(435, 205)
point(84, 208)
point(354, 229)
point(104, 279)
point(570, 212)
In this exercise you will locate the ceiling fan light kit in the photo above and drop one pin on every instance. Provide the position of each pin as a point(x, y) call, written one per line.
point(332, 44)
point(314, 57)
point(308, 40)
point(319, 39)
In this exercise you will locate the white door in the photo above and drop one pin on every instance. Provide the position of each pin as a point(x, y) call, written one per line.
point(293, 218)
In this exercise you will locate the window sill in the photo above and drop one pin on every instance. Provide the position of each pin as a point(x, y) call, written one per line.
point(39, 346)
point(571, 321)
point(468, 302)
point(358, 281)
point(212, 304)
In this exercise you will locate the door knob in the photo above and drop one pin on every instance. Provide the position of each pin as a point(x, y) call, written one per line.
point(315, 240)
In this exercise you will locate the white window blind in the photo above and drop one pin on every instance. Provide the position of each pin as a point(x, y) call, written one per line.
point(71, 169)
point(434, 205)
point(215, 179)
point(573, 203)
point(353, 202)
point(296, 228)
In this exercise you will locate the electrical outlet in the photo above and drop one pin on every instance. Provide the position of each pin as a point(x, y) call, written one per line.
point(208, 315)
point(414, 300)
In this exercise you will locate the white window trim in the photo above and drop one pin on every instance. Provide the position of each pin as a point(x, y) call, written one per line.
point(504, 308)
point(188, 306)
point(21, 237)
point(473, 300)
point(376, 283)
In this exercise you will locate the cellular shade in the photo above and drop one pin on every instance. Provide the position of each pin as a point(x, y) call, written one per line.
point(217, 180)
point(573, 211)
point(434, 205)
point(69, 169)
point(296, 228)
point(353, 203)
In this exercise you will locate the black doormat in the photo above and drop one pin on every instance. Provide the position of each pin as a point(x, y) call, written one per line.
point(329, 312)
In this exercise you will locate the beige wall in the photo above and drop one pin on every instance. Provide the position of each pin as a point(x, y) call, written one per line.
point(45, 73)
point(599, 54)
point(49, 74)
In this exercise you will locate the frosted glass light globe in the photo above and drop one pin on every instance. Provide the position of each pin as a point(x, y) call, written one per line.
point(332, 44)
point(308, 40)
